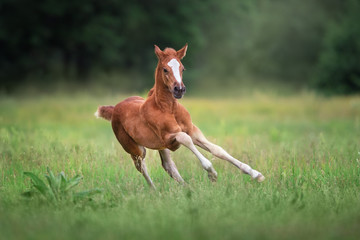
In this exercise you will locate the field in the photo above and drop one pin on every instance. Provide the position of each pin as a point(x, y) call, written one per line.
point(307, 147)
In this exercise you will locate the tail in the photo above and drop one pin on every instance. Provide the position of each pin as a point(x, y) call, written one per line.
point(104, 112)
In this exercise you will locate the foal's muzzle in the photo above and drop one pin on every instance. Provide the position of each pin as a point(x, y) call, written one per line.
point(178, 91)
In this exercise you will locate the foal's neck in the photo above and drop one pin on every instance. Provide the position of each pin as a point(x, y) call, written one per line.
point(163, 97)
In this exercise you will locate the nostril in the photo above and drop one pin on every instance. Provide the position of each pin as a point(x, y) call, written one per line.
point(183, 89)
point(176, 89)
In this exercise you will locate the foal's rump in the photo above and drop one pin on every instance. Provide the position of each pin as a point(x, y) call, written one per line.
point(106, 112)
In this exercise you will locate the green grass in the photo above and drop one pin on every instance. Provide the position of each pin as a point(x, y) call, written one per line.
point(306, 146)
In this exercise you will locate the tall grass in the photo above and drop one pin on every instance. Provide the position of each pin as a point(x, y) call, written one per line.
point(306, 146)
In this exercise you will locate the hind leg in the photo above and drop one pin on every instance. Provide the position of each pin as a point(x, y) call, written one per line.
point(136, 151)
point(169, 165)
point(141, 167)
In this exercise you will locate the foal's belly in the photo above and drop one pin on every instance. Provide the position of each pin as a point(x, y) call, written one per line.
point(128, 113)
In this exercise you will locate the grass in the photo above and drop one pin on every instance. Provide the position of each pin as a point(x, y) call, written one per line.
point(306, 146)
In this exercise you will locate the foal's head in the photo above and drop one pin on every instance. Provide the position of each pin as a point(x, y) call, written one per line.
point(171, 69)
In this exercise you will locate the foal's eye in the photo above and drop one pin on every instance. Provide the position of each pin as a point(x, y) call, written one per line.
point(165, 70)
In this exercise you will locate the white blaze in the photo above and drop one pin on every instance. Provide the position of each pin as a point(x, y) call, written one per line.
point(175, 66)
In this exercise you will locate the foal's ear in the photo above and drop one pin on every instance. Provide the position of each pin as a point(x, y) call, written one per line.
point(182, 52)
point(158, 52)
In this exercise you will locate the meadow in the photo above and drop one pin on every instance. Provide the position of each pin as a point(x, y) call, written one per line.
point(307, 147)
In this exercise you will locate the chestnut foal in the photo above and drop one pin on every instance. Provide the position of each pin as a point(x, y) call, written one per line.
point(160, 122)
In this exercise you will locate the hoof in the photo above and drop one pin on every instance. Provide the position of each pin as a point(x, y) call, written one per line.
point(260, 178)
point(212, 176)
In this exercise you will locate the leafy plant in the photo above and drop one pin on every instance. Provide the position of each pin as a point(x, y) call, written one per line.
point(59, 187)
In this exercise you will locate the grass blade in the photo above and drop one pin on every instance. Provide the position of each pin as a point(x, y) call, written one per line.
point(52, 189)
point(73, 182)
point(38, 183)
point(63, 182)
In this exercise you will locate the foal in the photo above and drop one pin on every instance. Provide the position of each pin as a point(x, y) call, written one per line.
point(160, 122)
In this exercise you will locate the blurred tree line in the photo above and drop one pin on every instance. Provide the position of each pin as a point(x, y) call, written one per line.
point(308, 43)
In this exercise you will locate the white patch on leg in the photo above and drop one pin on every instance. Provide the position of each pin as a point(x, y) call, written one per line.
point(205, 162)
point(246, 168)
point(254, 173)
point(185, 139)
point(221, 153)
point(175, 66)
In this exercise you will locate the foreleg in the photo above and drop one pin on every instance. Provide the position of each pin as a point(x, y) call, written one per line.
point(200, 140)
point(169, 165)
point(186, 140)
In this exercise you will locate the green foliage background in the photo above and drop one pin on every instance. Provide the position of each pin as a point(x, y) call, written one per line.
point(338, 68)
point(111, 42)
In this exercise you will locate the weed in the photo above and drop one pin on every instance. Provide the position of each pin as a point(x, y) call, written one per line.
point(59, 188)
